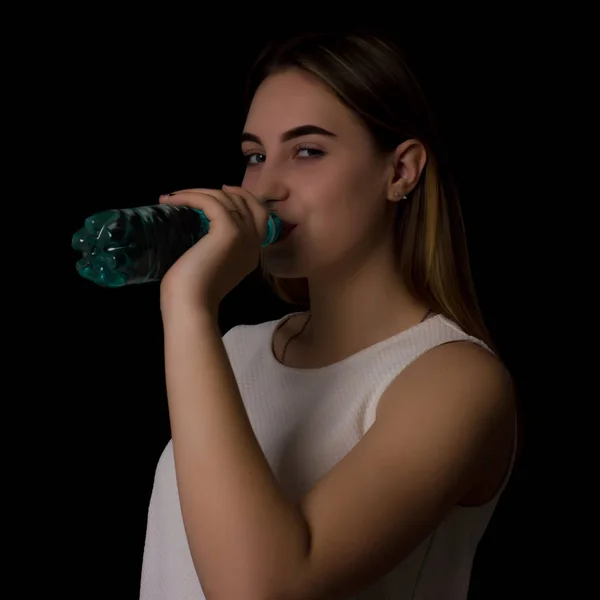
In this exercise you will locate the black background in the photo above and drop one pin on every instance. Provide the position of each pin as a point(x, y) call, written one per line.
point(134, 113)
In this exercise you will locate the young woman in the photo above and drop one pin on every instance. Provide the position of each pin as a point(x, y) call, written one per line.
point(356, 449)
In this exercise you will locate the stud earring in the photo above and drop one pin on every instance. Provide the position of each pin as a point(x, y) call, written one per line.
point(397, 195)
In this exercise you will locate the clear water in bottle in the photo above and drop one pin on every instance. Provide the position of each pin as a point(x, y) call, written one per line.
point(138, 245)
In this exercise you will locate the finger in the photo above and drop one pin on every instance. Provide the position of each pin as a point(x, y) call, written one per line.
point(190, 191)
point(234, 203)
point(175, 197)
point(259, 213)
point(239, 203)
point(189, 197)
point(215, 208)
point(180, 197)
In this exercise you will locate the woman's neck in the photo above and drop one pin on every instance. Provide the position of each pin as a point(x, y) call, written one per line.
point(347, 319)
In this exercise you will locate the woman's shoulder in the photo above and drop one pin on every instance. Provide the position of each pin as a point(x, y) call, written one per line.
point(465, 383)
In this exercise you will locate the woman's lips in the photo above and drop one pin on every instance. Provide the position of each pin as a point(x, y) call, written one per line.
point(286, 229)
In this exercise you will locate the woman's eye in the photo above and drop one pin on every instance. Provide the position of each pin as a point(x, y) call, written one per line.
point(255, 158)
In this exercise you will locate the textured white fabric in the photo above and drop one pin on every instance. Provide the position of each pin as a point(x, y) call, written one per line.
point(306, 421)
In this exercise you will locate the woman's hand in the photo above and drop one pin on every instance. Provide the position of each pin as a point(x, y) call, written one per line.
point(221, 259)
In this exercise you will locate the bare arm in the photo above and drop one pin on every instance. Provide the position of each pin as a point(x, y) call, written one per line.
point(244, 537)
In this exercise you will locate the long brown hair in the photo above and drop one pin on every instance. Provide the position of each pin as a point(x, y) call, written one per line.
point(370, 76)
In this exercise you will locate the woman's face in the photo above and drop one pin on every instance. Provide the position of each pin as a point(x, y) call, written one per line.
point(317, 166)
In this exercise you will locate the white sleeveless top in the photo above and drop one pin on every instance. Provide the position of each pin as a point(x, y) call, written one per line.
point(306, 421)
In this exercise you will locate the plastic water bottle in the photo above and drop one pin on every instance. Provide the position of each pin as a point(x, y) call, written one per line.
point(138, 245)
